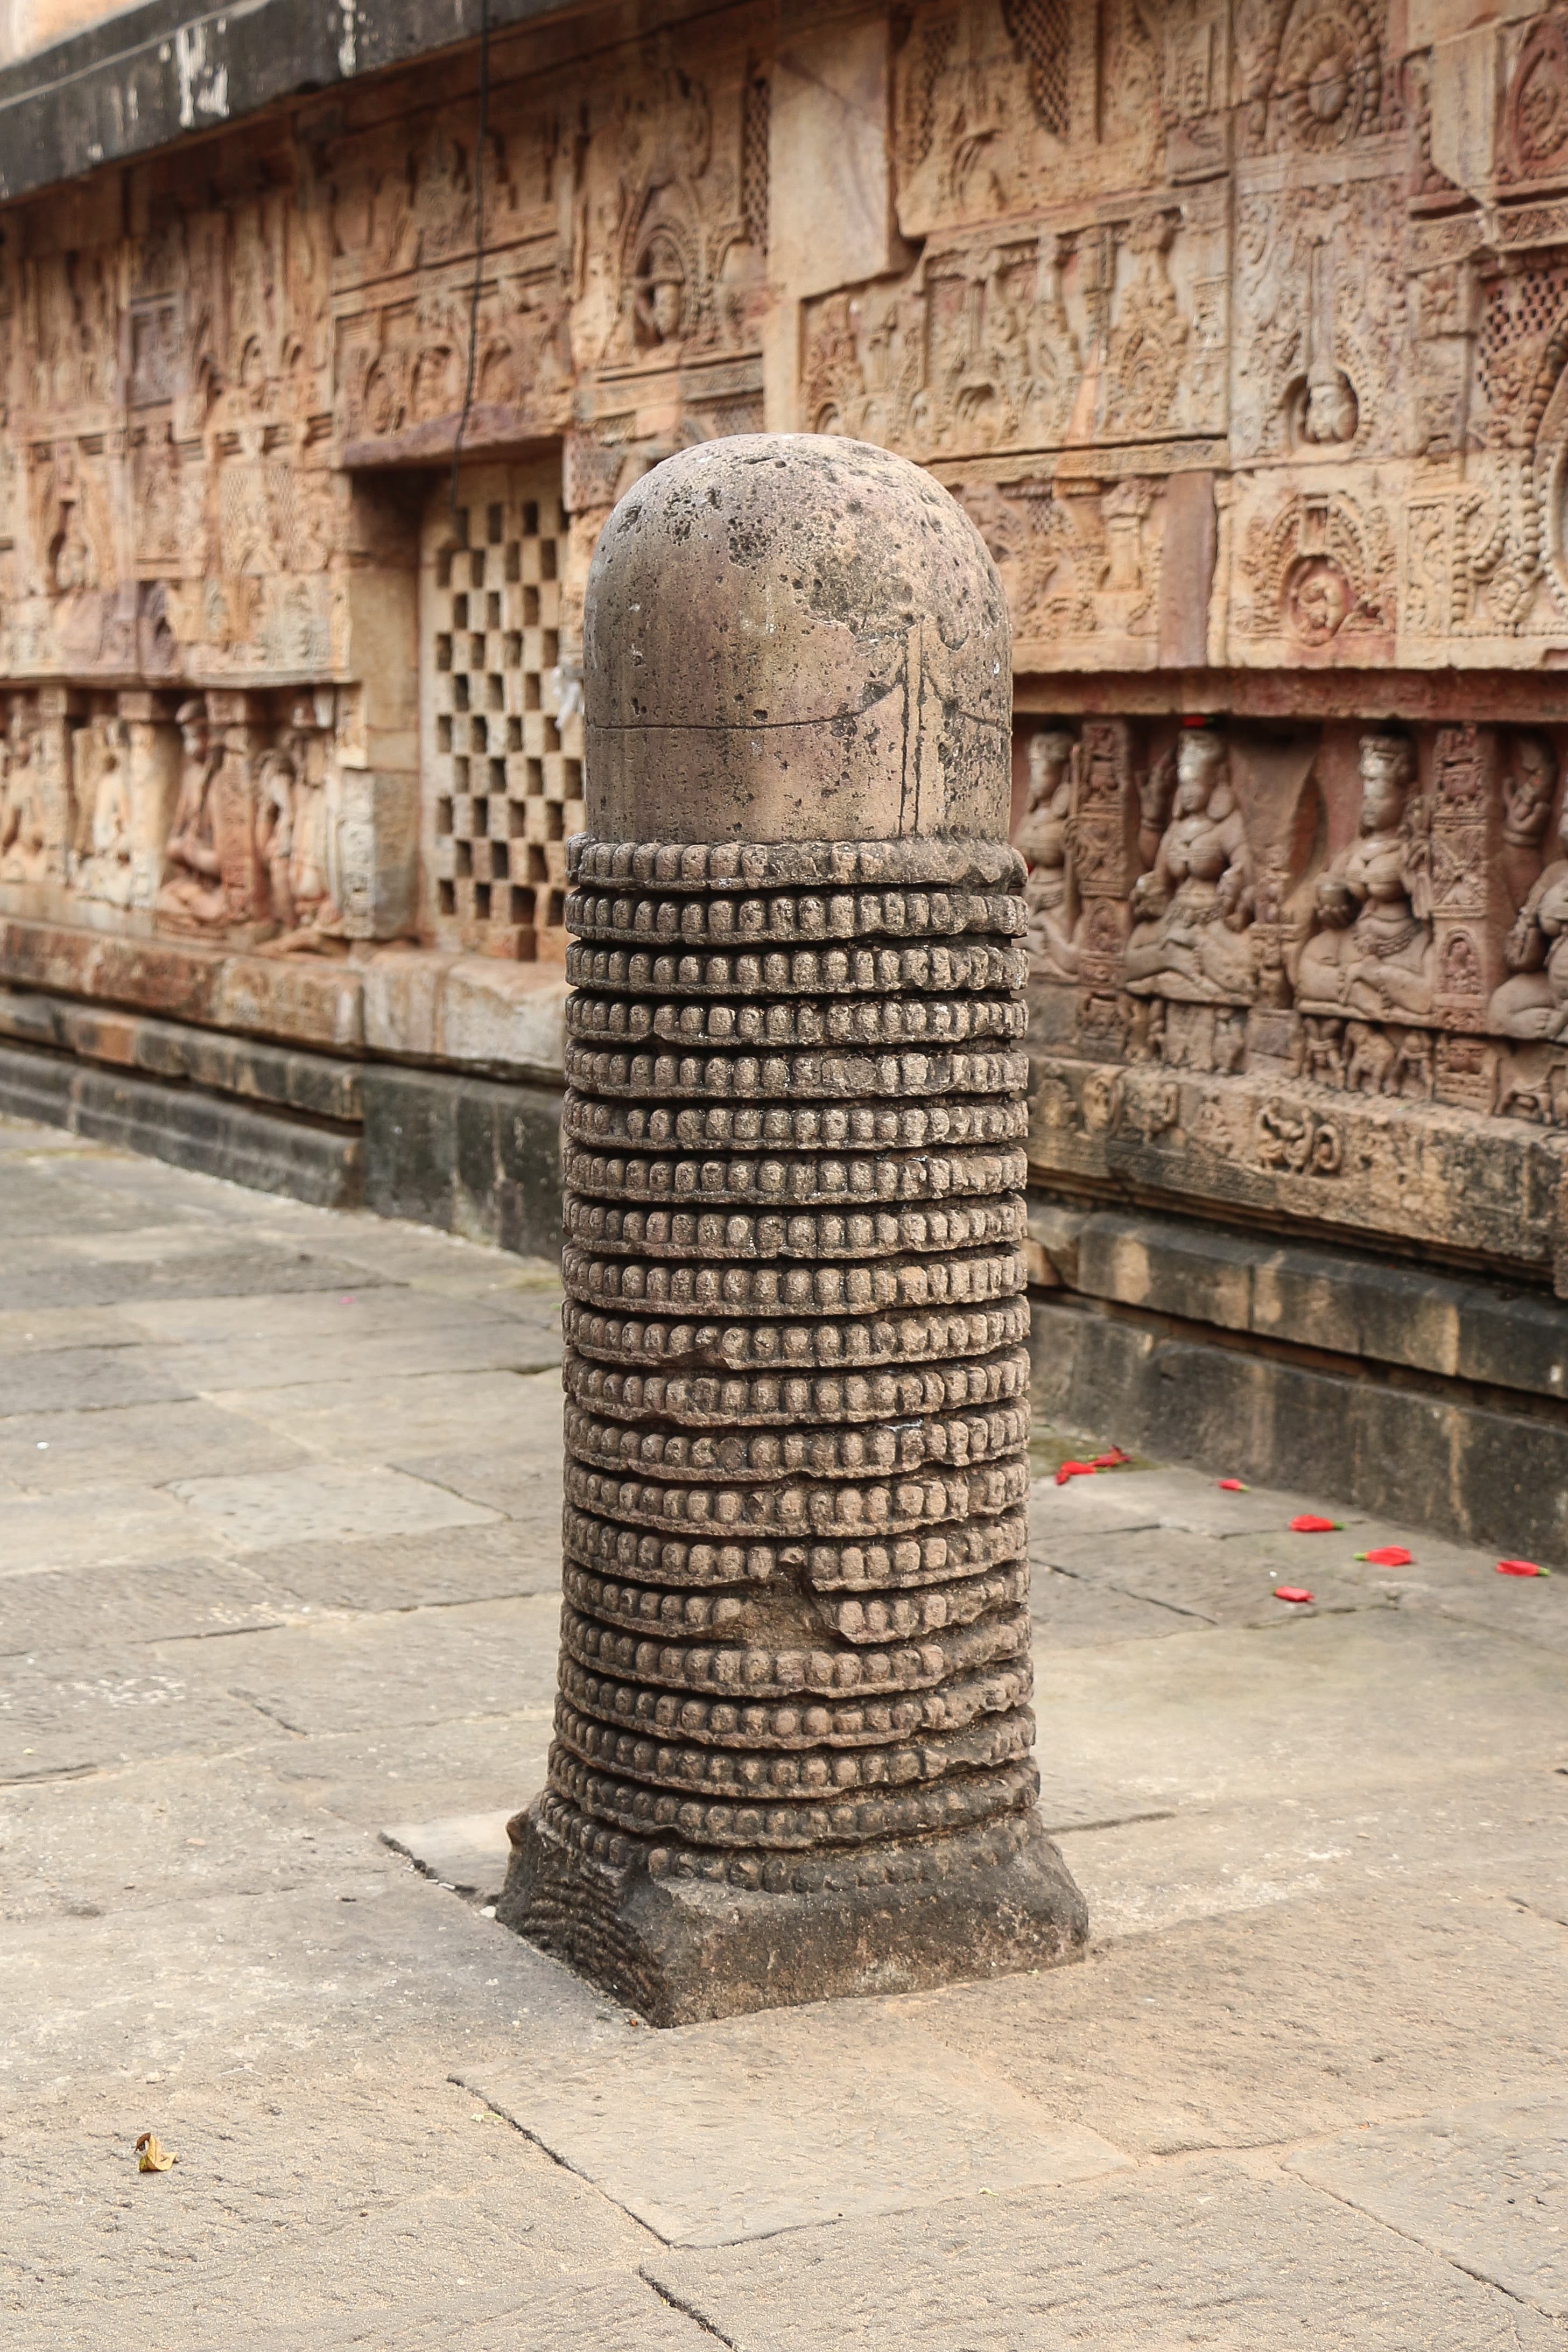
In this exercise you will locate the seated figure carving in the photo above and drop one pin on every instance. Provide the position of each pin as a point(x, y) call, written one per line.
point(1192, 912)
point(1534, 1003)
point(1044, 841)
point(1371, 953)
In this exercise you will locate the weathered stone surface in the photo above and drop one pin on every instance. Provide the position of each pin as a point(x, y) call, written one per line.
point(1485, 2187)
point(793, 1741)
point(643, 2126)
point(314, 1502)
point(316, 1677)
point(165, 1596)
point(1326, 1884)
point(59, 1453)
point(831, 667)
point(218, 1138)
point(1267, 2263)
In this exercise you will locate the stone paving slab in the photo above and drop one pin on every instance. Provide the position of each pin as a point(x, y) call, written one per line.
point(116, 1606)
point(146, 1444)
point(1231, 1714)
point(1288, 2019)
point(1229, 1580)
point(711, 2135)
point(42, 1199)
point(1147, 1496)
point(1076, 1613)
point(34, 1330)
point(84, 1380)
point(156, 1269)
point(181, 1829)
point(1195, 2256)
point(1547, 1897)
point(321, 1502)
point(450, 1768)
point(435, 1567)
point(467, 1853)
point(523, 1480)
point(437, 1412)
point(490, 1659)
point(482, 1342)
point(80, 1712)
point(1487, 2189)
point(396, 2208)
point(585, 2311)
point(95, 1529)
point(1484, 1831)
point(1323, 1856)
point(299, 1318)
point(353, 1966)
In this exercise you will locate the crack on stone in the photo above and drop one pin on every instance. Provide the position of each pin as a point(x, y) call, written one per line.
point(687, 2310)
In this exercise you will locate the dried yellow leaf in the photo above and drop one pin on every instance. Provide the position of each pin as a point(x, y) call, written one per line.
point(154, 2156)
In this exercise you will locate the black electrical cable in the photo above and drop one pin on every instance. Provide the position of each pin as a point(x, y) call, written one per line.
point(479, 242)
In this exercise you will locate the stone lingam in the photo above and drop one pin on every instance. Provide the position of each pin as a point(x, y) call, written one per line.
point(794, 1749)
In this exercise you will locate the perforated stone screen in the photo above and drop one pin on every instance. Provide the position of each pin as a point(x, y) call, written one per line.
point(501, 764)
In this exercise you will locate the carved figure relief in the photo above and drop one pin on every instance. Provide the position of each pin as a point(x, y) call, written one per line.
point(1534, 1002)
point(1536, 109)
point(1192, 910)
point(295, 839)
point(1037, 340)
point(1529, 788)
point(102, 860)
point(27, 852)
point(1315, 580)
point(1043, 839)
point(192, 894)
point(1371, 952)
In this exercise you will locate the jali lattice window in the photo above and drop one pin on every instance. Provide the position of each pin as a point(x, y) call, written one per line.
point(501, 759)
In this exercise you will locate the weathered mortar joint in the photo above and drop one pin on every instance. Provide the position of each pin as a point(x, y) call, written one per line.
point(793, 1752)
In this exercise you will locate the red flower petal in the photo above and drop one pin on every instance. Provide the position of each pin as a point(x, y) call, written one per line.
point(1112, 1461)
point(1308, 1524)
point(1390, 1556)
point(1292, 1592)
point(1233, 1486)
point(1521, 1568)
point(1074, 1470)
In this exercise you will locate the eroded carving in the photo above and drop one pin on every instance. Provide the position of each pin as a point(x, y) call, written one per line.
point(1371, 950)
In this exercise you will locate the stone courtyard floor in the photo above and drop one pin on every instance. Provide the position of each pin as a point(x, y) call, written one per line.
point(279, 1571)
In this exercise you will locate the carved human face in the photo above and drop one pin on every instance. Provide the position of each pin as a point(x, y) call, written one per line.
point(1385, 773)
point(1048, 753)
point(1534, 770)
point(193, 736)
point(1331, 412)
point(1198, 762)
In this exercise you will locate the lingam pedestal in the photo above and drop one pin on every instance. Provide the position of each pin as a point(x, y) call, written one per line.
point(793, 1751)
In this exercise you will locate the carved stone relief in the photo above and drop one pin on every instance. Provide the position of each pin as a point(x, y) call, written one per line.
point(1373, 912)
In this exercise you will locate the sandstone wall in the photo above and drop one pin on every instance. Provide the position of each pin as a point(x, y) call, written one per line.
point(1240, 326)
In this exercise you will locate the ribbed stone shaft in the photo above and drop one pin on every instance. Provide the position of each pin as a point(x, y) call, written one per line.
point(793, 1738)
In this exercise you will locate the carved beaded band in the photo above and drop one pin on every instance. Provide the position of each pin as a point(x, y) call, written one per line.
point(795, 1592)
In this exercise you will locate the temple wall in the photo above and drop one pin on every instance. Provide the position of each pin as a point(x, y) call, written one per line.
point(1239, 327)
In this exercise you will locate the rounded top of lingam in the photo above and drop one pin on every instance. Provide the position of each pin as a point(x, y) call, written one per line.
point(793, 637)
